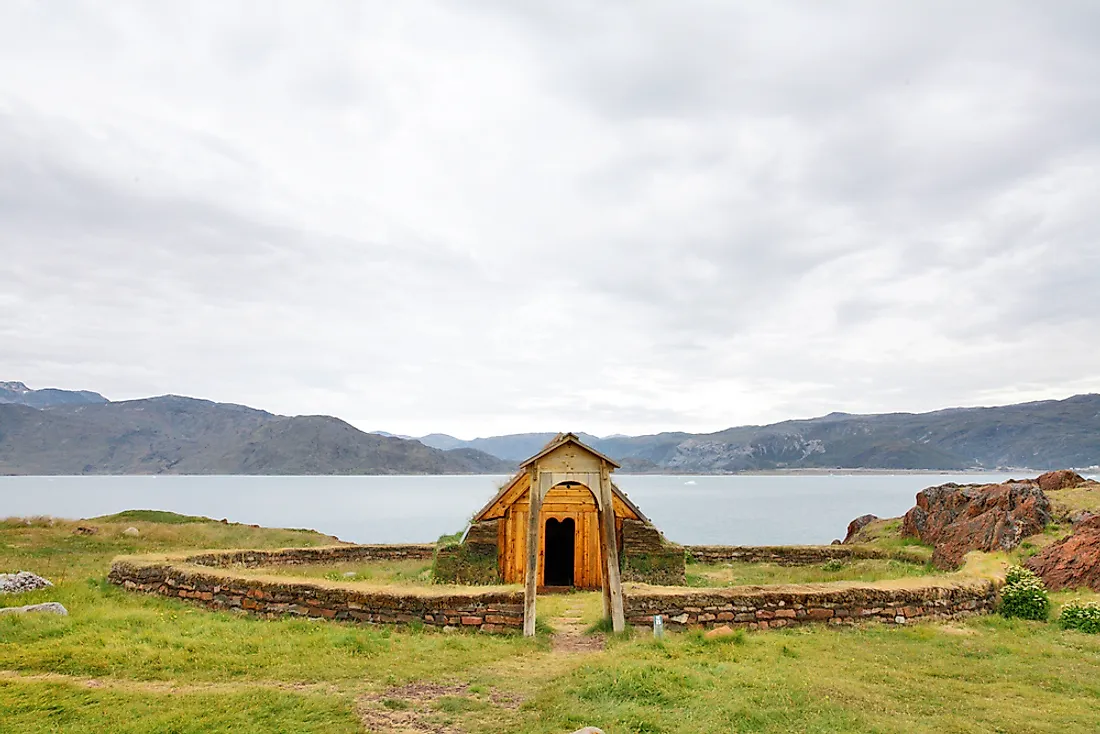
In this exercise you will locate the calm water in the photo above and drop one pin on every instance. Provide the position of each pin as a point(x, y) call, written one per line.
point(706, 509)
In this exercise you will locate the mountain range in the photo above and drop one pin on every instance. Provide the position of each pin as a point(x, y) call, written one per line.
point(80, 432)
point(17, 392)
point(1039, 435)
point(48, 432)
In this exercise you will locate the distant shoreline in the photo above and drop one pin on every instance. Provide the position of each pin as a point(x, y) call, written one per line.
point(840, 472)
point(1017, 471)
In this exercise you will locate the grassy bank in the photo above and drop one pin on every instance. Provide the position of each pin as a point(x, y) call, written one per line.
point(132, 663)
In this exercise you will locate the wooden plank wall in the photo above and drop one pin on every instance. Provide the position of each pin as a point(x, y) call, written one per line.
point(560, 503)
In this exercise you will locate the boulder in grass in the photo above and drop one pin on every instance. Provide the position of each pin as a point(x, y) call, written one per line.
point(132, 532)
point(19, 583)
point(50, 607)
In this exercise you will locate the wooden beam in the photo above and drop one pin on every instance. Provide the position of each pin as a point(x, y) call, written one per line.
point(534, 532)
point(614, 582)
point(605, 582)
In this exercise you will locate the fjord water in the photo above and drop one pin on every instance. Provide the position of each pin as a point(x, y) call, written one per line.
point(738, 509)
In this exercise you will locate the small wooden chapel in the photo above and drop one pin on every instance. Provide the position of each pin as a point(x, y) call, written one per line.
point(561, 522)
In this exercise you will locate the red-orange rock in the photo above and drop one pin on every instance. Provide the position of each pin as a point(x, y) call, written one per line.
point(958, 519)
point(858, 524)
point(1052, 481)
point(1073, 561)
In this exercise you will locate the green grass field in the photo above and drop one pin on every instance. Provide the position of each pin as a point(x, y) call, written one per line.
point(132, 663)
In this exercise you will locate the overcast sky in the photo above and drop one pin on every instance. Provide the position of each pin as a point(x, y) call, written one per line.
point(491, 217)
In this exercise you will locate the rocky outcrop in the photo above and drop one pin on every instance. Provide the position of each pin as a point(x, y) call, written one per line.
point(858, 524)
point(1073, 561)
point(1052, 481)
point(956, 519)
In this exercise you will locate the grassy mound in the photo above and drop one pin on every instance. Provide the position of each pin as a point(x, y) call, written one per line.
point(157, 516)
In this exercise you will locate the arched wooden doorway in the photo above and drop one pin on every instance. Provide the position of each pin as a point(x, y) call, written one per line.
point(559, 552)
point(572, 503)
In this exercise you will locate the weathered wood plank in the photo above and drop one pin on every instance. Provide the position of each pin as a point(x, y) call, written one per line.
point(534, 533)
point(614, 583)
point(605, 584)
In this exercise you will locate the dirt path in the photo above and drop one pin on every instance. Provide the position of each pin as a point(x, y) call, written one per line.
point(569, 634)
point(167, 686)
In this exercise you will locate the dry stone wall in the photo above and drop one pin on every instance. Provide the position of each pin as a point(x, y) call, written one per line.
point(647, 557)
point(768, 608)
point(305, 556)
point(487, 610)
point(788, 555)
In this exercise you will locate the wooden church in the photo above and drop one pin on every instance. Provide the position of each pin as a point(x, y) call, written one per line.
point(577, 529)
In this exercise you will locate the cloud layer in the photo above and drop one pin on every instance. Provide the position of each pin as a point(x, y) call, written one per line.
point(506, 216)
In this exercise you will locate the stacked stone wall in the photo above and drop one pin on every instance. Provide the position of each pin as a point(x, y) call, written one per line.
point(791, 555)
point(646, 557)
point(768, 608)
point(306, 556)
point(488, 610)
point(471, 561)
point(467, 563)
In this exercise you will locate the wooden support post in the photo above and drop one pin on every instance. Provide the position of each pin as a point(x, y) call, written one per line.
point(614, 583)
point(605, 586)
point(534, 532)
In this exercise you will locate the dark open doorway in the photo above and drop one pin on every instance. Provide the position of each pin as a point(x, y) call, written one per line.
point(559, 552)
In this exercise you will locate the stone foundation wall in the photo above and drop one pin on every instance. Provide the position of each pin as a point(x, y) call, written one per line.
point(471, 561)
point(483, 533)
point(765, 608)
point(646, 557)
point(304, 556)
point(489, 611)
point(465, 563)
point(789, 555)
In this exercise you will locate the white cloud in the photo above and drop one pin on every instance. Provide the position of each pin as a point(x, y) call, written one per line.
point(491, 217)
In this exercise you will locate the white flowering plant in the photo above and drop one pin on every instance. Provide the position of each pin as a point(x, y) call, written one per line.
point(1081, 616)
point(1024, 596)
